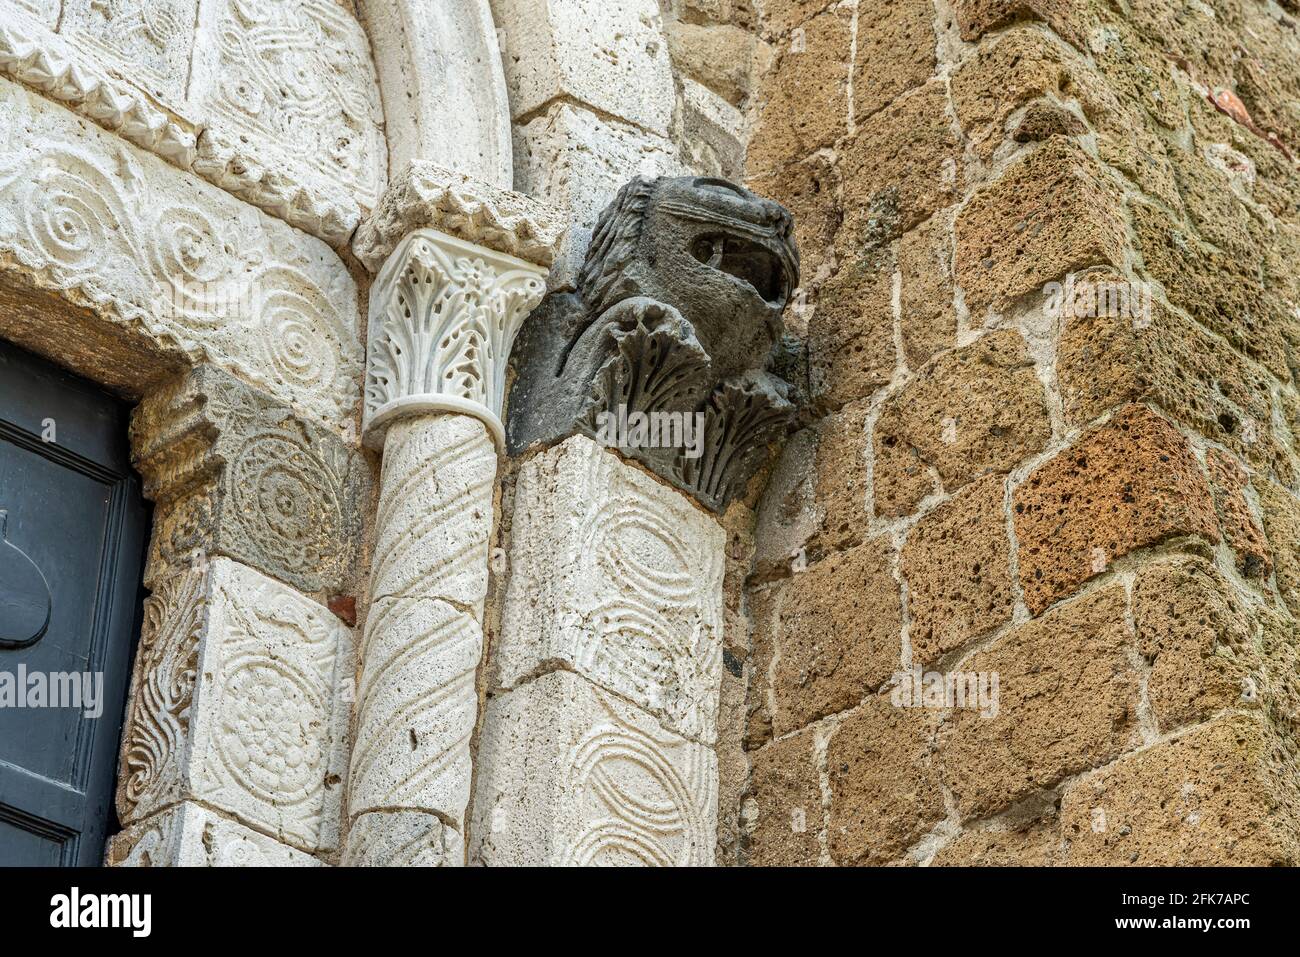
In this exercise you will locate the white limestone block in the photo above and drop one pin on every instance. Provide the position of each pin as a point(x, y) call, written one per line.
point(158, 251)
point(619, 578)
point(292, 83)
point(571, 775)
point(403, 839)
point(577, 162)
point(149, 40)
point(609, 54)
point(187, 835)
point(240, 700)
point(45, 11)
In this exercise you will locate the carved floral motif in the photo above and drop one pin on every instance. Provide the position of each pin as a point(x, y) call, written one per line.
point(443, 317)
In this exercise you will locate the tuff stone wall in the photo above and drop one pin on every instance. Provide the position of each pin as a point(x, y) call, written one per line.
point(1098, 504)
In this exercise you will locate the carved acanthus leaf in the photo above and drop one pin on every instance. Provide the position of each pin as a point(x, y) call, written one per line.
point(443, 316)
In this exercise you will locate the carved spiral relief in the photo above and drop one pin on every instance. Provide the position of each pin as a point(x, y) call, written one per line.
point(166, 670)
point(219, 280)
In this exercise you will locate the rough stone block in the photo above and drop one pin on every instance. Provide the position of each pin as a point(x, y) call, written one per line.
point(1221, 793)
point(188, 835)
point(902, 166)
point(611, 56)
point(232, 471)
point(1241, 531)
point(885, 790)
point(720, 56)
point(1067, 701)
point(804, 106)
point(171, 263)
point(239, 701)
point(802, 187)
point(577, 161)
point(1111, 353)
point(783, 810)
point(572, 775)
point(1127, 485)
point(1196, 635)
point(957, 565)
point(838, 639)
point(1048, 214)
point(1037, 844)
point(975, 411)
point(927, 314)
point(895, 52)
point(851, 332)
point(1281, 513)
point(618, 578)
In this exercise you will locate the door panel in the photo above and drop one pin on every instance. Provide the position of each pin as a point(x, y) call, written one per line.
point(74, 520)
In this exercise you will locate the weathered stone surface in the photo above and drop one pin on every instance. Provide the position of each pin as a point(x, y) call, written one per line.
point(170, 263)
point(1224, 292)
point(611, 56)
point(1241, 531)
point(572, 775)
point(839, 634)
point(577, 162)
point(1110, 354)
point(1281, 513)
point(1197, 638)
point(232, 471)
point(975, 411)
point(839, 480)
point(329, 133)
point(424, 195)
point(403, 839)
point(720, 56)
point(901, 167)
point(956, 563)
point(895, 52)
point(1067, 702)
point(443, 318)
point(618, 578)
point(927, 314)
point(1048, 214)
point(851, 350)
point(1221, 793)
point(1129, 484)
point(1037, 844)
point(783, 809)
point(885, 791)
point(188, 835)
point(416, 702)
point(803, 97)
point(712, 134)
point(239, 701)
point(151, 47)
point(676, 318)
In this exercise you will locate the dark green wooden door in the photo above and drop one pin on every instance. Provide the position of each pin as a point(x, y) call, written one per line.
point(71, 547)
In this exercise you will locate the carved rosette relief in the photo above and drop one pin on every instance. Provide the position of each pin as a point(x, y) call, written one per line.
point(239, 702)
point(233, 472)
point(676, 323)
point(443, 317)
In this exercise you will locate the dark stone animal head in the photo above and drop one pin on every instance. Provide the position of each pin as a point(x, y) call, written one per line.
point(722, 256)
point(677, 312)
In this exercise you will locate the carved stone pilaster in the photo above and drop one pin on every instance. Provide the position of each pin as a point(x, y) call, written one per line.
point(443, 316)
point(675, 325)
point(234, 472)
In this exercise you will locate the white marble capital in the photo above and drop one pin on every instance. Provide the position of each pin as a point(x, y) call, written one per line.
point(443, 315)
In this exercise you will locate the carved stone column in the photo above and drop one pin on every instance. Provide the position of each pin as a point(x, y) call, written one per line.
point(443, 316)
